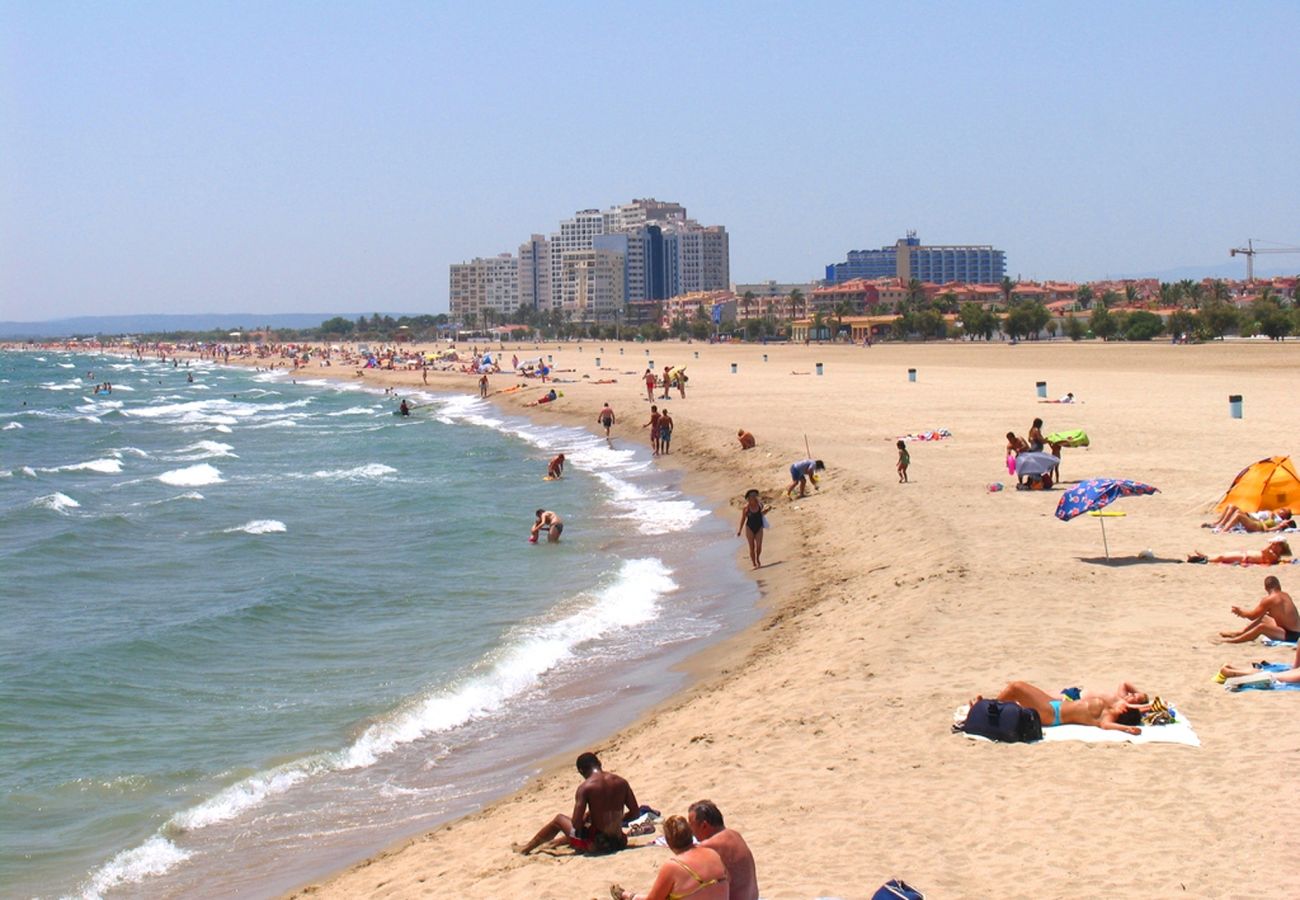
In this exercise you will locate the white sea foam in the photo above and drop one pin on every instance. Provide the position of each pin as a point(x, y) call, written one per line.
point(60, 503)
point(259, 526)
point(192, 476)
point(67, 365)
point(119, 452)
point(11, 426)
point(154, 857)
point(353, 411)
point(28, 471)
point(203, 450)
point(631, 600)
point(656, 512)
point(358, 473)
point(105, 466)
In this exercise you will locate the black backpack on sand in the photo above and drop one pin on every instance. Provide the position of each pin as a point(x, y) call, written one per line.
point(1003, 721)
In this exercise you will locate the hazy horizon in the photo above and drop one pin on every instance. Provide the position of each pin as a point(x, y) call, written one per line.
point(295, 157)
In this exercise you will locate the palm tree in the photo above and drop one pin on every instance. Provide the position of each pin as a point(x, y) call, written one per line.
point(748, 299)
point(1130, 294)
point(1007, 286)
point(797, 307)
point(842, 309)
point(915, 294)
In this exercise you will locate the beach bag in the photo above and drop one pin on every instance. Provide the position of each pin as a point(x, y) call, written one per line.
point(897, 889)
point(1003, 721)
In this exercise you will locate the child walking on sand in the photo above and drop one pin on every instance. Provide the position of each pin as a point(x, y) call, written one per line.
point(904, 460)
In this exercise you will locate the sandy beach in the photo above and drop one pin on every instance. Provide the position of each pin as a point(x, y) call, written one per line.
point(824, 732)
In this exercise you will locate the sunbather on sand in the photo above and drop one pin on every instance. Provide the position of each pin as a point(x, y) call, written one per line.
point(1269, 556)
point(1274, 617)
point(1291, 676)
point(1110, 714)
point(1264, 520)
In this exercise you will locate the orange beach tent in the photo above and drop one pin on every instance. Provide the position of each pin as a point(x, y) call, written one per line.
point(1268, 484)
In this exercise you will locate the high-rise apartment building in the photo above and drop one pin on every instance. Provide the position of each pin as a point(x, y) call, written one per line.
point(484, 285)
point(663, 253)
point(909, 258)
point(592, 285)
point(535, 273)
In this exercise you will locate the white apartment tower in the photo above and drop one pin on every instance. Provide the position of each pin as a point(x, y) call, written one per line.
point(485, 285)
point(592, 285)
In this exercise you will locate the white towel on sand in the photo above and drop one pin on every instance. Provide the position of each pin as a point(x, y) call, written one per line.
point(1179, 732)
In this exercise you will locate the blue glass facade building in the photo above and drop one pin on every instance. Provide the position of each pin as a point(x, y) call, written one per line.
point(908, 258)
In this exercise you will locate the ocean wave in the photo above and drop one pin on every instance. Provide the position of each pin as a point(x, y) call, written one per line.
point(259, 526)
point(154, 857)
point(60, 503)
point(28, 471)
point(203, 450)
point(353, 411)
point(370, 470)
point(119, 452)
point(11, 426)
point(192, 476)
point(66, 365)
point(105, 466)
point(246, 794)
point(631, 599)
point(656, 512)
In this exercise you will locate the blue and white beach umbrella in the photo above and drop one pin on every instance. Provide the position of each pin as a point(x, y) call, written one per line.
point(1093, 495)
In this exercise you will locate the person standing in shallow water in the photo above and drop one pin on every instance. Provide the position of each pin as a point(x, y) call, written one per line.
point(751, 523)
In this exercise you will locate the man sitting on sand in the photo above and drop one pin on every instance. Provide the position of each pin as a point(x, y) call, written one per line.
point(1274, 617)
point(597, 822)
point(1109, 714)
point(706, 824)
point(746, 439)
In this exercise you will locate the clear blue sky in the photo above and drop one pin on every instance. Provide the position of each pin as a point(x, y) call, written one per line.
point(318, 156)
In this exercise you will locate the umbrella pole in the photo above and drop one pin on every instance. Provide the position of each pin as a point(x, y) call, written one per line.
point(1105, 546)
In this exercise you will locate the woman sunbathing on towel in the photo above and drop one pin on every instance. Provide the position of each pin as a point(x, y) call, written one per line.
point(1111, 713)
point(1269, 556)
point(1292, 675)
point(1264, 520)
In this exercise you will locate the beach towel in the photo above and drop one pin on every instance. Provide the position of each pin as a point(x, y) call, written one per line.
point(1178, 732)
point(1073, 438)
point(1262, 680)
point(937, 434)
point(1270, 642)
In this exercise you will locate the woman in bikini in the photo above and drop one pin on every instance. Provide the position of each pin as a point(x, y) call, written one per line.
point(1111, 713)
point(695, 872)
point(751, 522)
point(1269, 556)
point(1264, 520)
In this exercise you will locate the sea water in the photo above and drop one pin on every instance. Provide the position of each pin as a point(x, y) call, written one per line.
point(256, 627)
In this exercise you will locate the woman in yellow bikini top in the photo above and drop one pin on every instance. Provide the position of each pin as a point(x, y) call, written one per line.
point(695, 872)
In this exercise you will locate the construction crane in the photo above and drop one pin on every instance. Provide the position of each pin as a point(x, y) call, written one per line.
point(1250, 250)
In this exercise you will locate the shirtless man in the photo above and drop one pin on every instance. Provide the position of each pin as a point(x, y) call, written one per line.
point(1274, 617)
point(549, 522)
point(606, 418)
point(706, 824)
point(596, 825)
point(1110, 715)
point(556, 468)
point(649, 384)
point(746, 439)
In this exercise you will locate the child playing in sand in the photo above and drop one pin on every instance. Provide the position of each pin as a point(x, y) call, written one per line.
point(904, 460)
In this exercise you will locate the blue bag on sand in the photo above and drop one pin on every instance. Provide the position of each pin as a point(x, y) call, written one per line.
point(897, 889)
point(1003, 721)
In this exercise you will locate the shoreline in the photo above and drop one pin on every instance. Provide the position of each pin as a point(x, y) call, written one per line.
point(885, 606)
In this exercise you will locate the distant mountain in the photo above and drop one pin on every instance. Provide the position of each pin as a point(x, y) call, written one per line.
point(89, 326)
